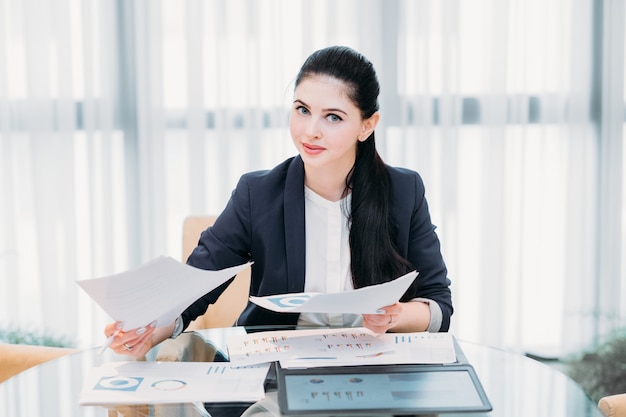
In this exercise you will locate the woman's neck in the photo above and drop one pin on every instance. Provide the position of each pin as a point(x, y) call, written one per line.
point(325, 183)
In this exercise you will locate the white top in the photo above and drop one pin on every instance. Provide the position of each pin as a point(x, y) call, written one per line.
point(327, 256)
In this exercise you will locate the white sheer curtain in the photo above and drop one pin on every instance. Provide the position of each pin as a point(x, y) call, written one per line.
point(496, 114)
point(119, 118)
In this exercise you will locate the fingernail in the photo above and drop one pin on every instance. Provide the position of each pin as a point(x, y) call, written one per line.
point(141, 330)
point(119, 325)
point(153, 324)
point(380, 311)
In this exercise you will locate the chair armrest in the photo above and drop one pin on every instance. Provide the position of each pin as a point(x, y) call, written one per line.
point(613, 405)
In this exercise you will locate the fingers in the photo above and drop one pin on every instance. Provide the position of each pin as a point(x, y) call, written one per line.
point(135, 343)
point(135, 348)
point(111, 328)
point(387, 319)
point(378, 323)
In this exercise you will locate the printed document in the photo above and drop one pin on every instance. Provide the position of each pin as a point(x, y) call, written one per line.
point(172, 382)
point(359, 301)
point(340, 347)
point(158, 290)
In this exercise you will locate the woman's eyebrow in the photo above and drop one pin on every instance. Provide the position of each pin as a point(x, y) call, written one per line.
point(335, 111)
point(332, 110)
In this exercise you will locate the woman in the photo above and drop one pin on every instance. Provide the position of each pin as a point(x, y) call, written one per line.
point(333, 218)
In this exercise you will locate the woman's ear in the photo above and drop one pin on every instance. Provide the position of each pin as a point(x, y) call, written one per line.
point(368, 126)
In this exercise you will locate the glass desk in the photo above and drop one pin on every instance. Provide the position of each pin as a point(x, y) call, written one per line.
point(517, 386)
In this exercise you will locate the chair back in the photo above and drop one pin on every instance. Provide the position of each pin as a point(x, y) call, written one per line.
point(228, 307)
point(15, 358)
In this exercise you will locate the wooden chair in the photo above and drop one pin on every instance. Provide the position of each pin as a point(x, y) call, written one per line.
point(613, 405)
point(226, 310)
point(15, 358)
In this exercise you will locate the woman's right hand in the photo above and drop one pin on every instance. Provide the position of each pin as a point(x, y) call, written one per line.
point(136, 342)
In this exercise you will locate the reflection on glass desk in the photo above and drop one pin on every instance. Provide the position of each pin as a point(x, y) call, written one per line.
point(516, 385)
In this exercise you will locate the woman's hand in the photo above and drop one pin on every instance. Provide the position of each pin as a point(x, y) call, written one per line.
point(136, 342)
point(406, 317)
point(380, 323)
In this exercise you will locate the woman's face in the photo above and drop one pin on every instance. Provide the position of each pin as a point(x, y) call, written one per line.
point(325, 124)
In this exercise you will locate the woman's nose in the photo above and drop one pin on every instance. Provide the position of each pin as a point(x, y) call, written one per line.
point(313, 128)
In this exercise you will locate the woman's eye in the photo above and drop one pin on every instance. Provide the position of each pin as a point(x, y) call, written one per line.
point(333, 118)
point(302, 110)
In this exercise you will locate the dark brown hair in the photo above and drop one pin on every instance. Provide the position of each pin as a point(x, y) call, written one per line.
point(374, 256)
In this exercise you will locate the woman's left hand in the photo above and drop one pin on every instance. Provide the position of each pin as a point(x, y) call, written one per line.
point(381, 323)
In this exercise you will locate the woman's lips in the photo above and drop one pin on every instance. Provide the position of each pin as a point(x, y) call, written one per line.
point(312, 149)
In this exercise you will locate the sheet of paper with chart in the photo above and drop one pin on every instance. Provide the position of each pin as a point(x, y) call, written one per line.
point(172, 382)
point(158, 290)
point(340, 347)
point(359, 301)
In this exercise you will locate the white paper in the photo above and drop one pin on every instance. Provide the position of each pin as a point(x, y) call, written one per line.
point(158, 290)
point(398, 348)
point(261, 347)
point(359, 301)
point(172, 382)
point(340, 347)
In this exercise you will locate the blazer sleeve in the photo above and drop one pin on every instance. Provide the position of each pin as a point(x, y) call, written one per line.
point(417, 234)
point(222, 245)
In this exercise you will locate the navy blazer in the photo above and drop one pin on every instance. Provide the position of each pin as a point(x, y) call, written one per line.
point(264, 222)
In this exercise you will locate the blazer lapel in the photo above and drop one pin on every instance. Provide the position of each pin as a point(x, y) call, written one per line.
point(294, 225)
